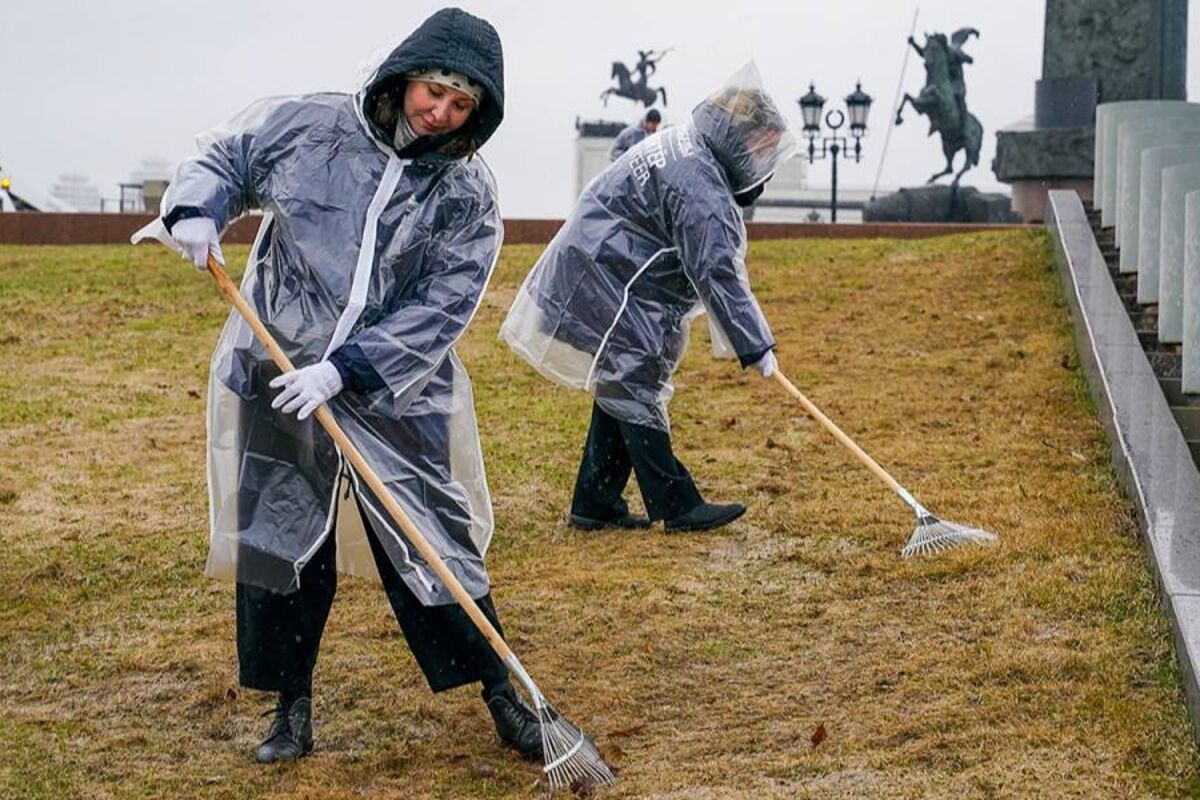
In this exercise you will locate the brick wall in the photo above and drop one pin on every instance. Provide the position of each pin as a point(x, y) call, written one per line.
point(35, 228)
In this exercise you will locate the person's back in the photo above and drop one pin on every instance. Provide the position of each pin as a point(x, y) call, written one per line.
point(660, 224)
point(654, 239)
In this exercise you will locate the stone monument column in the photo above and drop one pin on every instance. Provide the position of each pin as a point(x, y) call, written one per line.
point(1094, 51)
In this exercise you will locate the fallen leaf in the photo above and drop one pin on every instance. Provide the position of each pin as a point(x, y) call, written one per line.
point(584, 787)
point(818, 735)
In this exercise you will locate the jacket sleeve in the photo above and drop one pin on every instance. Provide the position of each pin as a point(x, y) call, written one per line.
point(229, 175)
point(405, 347)
point(708, 230)
point(355, 370)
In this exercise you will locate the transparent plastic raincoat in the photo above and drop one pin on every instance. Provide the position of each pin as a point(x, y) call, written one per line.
point(654, 240)
point(360, 247)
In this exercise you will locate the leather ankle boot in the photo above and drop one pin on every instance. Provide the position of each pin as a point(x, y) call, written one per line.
point(705, 516)
point(290, 735)
point(516, 723)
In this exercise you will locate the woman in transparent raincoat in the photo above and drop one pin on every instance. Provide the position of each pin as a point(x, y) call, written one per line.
point(381, 230)
point(654, 240)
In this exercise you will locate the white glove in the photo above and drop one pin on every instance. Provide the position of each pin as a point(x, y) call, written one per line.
point(198, 235)
point(307, 388)
point(766, 365)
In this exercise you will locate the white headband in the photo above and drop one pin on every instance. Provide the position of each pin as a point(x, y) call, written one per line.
point(455, 80)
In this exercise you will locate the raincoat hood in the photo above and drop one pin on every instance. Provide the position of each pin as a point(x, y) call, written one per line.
point(744, 129)
point(454, 40)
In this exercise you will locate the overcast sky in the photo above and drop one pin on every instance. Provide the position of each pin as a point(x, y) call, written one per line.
point(96, 87)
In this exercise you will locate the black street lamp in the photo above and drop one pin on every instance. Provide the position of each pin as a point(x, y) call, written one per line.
point(858, 105)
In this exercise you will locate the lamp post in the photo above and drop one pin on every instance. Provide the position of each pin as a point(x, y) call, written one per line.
point(858, 105)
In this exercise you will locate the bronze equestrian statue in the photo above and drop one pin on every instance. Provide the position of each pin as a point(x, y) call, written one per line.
point(639, 90)
point(944, 99)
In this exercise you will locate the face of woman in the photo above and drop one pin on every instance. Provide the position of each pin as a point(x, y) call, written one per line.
point(432, 108)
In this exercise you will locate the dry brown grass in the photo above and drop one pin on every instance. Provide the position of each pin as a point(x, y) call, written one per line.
point(702, 664)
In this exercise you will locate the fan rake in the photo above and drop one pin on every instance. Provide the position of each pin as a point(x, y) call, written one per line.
point(931, 534)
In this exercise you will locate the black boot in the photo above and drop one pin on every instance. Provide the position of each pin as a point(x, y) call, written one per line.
point(626, 521)
point(705, 517)
point(290, 734)
point(516, 723)
point(618, 517)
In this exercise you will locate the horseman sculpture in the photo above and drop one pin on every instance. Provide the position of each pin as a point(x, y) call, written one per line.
point(944, 99)
point(639, 90)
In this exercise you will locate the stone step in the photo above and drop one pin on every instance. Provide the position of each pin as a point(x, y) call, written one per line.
point(1165, 365)
point(1195, 448)
point(1147, 325)
point(1172, 389)
point(1188, 418)
point(1144, 321)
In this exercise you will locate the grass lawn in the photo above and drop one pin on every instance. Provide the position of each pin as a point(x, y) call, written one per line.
point(702, 664)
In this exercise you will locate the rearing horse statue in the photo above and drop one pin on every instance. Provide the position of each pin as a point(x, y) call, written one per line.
point(944, 99)
point(639, 91)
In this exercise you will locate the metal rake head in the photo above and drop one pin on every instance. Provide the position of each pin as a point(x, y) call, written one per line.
point(933, 534)
point(572, 761)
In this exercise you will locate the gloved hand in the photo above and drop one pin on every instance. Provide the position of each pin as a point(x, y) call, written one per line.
point(766, 365)
point(197, 235)
point(307, 388)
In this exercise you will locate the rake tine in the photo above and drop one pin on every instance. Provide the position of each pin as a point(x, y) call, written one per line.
point(932, 535)
point(571, 759)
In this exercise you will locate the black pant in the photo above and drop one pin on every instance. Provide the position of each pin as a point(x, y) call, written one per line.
point(279, 635)
point(614, 449)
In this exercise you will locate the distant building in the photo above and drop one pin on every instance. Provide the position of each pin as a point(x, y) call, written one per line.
point(592, 145)
point(152, 169)
point(76, 191)
point(811, 204)
point(148, 182)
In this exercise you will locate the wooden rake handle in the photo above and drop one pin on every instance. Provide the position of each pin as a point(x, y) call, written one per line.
point(838, 434)
point(364, 470)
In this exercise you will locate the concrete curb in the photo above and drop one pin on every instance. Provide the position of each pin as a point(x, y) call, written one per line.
point(1149, 454)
